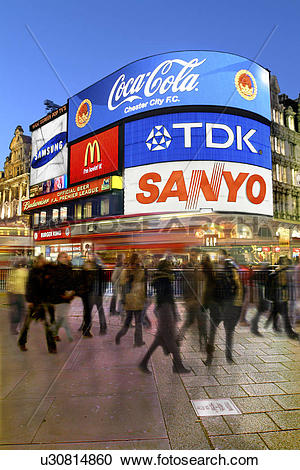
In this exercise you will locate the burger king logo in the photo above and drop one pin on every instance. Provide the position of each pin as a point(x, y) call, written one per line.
point(245, 84)
point(83, 113)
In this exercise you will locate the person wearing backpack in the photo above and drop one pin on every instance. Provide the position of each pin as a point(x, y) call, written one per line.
point(225, 305)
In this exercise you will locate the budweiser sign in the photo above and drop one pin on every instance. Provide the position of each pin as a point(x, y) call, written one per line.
point(83, 190)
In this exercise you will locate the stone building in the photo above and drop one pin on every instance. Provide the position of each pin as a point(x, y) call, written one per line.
point(285, 143)
point(14, 188)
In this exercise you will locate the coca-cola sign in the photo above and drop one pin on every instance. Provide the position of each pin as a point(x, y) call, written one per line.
point(162, 79)
point(185, 78)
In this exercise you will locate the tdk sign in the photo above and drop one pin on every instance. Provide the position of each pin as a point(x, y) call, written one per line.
point(197, 136)
point(49, 150)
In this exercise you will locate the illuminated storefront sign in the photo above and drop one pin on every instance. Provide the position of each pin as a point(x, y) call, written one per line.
point(95, 156)
point(49, 151)
point(197, 136)
point(83, 190)
point(197, 185)
point(171, 79)
point(51, 234)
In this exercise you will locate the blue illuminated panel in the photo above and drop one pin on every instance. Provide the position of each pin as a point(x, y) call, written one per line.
point(179, 137)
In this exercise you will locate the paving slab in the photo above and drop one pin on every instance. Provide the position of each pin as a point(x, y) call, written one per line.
point(234, 379)
point(225, 391)
point(215, 425)
point(290, 387)
point(282, 440)
point(288, 402)
point(109, 417)
point(262, 389)
point(256, 404)
point(239, 442)
point(141, 444)
point(286, 419)
point(251, 423)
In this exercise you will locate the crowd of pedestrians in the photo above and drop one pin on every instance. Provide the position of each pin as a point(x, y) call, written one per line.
point(213, 292)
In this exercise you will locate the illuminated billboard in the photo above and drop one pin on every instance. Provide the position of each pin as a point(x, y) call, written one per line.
point(197, 136)
point(180, 78)
point(95, 156)
point(182, 186)
point(49, 151)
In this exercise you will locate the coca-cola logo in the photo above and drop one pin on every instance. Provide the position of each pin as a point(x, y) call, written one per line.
point(162, 79)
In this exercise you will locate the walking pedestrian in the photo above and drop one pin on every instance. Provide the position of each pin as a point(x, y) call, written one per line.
point(132, 280)
point(192, 280)
point(116, 305)
point(165, 310)
point(280, 293)
point(37, 306)
point(61, 292)
point(98, 288)
point(260, 280)
point(16, 288)
point(225, 305)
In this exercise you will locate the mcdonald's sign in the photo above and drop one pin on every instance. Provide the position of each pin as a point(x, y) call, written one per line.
point(95, 156)
point(90, 152)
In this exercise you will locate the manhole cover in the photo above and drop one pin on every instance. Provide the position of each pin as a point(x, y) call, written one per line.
point(215, 407)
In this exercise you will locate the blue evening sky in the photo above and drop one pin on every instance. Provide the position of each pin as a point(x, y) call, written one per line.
point(88, 39)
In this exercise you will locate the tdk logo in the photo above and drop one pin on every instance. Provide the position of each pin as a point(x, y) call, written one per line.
point(160, 139)
point(49, 150)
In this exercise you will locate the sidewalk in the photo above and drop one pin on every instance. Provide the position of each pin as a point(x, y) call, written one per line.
point(91, 395)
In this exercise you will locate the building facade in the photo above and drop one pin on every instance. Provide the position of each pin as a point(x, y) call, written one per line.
point(14, 189)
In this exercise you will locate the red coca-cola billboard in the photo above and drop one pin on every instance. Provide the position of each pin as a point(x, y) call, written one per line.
point(95, 156)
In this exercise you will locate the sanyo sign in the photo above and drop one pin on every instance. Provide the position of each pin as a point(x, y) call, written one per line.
point(193, 186)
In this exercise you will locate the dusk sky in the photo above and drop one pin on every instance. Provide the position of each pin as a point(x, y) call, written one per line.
point(86, 40)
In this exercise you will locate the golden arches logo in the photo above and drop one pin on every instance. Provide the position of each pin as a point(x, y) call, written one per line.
point(90, 150)
point(246, 84)
point(83, 113)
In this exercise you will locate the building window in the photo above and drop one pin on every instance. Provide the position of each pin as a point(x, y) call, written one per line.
point(281, 119)
point(63, 213)
point(278, 176)
point(284, 178)
point(78, 211)
point(291, 123)
point(43, 217)
point(105, 207)
point(87, 211)
point(36, 217)
point(55, 214)
point(282, 147)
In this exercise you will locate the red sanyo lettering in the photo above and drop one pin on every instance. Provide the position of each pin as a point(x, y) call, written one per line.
point(176, 187)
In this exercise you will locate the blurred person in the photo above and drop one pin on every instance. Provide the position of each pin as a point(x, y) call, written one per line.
point(97, 291)
point(84, 288)
point(297, 290)
point(116, 303)
point(280, 292)
point(192, 280)
point(16, 288)
point(38, 308)
point(260, 279)
point(225, 305)
point(166, 329)
point(133, 281)
point(61, 292)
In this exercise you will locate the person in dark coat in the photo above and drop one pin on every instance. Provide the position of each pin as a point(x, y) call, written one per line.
point(38, 307)
point(166, 330)
point(60, 292)
point(95, 296)
point(225, 303)
point(194, 308)
point(280, 291)
point(84, 288)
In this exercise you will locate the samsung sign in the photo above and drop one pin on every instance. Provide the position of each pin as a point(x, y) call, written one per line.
point(49, 150)
point(171, 79)
point(197, 136)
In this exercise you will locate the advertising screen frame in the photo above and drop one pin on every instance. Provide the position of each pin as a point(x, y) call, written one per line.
point(84, 121)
